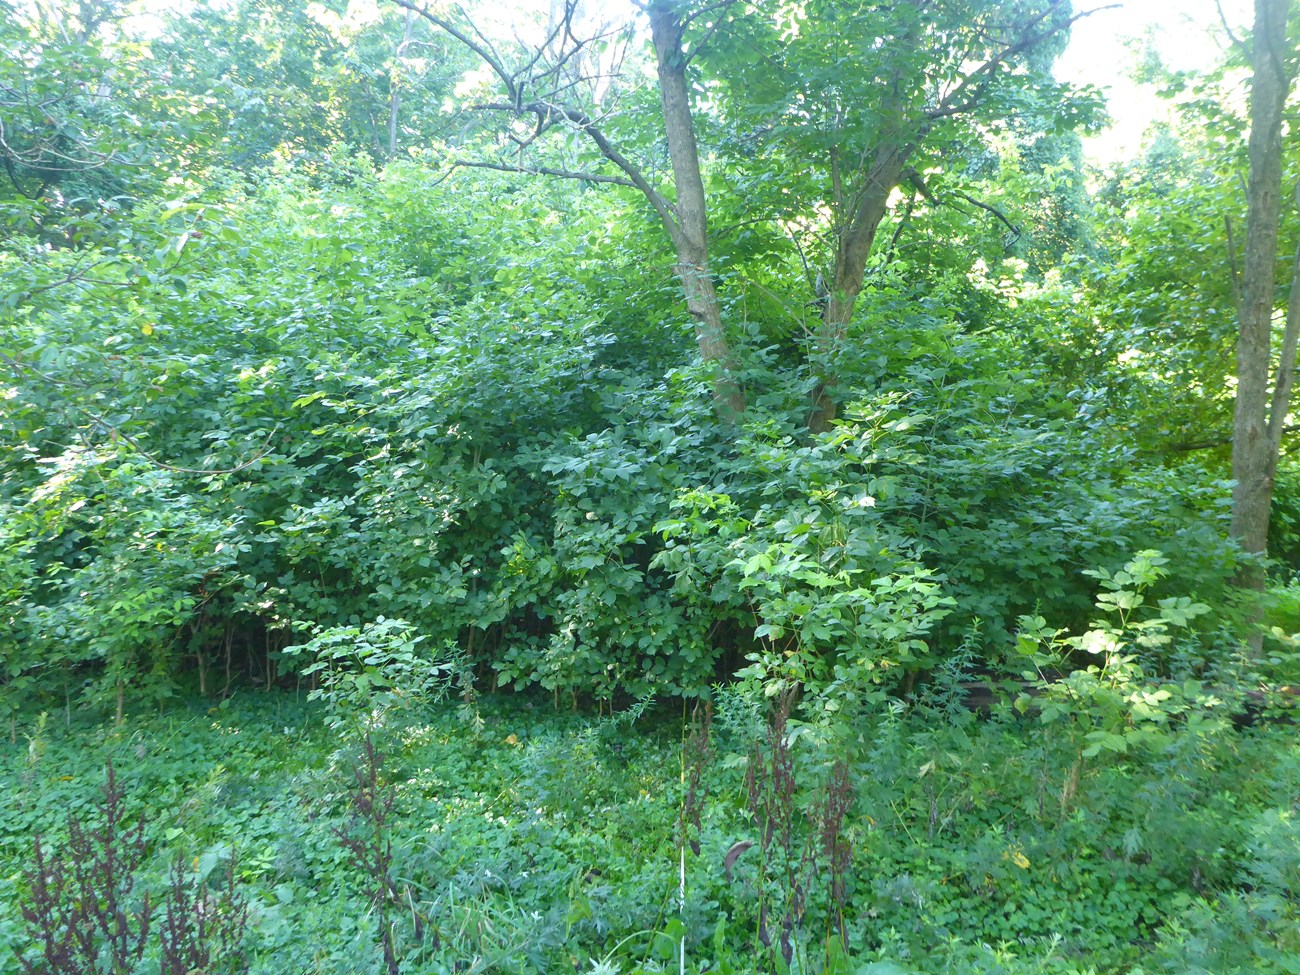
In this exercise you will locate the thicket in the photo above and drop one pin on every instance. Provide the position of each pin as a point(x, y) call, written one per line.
point(352, 399)
point(294, 392)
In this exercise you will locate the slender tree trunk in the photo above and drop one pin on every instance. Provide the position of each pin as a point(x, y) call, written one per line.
point(395, 83)
point(851, 256)
point(1287, 360)
point(1254, 451)
point(394, 104)
point(690, 228)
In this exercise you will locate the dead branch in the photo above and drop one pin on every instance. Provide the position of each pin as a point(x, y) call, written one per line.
point(989, 208)
point(479, 44)
point(590, 128)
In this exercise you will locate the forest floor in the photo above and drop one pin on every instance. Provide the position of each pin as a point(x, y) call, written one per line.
point(508, 836)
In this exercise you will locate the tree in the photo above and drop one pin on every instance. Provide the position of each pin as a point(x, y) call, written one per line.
point(1262, 403)
point(88, 120)
point(296, 78)
point(54, 91)
point(850, 101)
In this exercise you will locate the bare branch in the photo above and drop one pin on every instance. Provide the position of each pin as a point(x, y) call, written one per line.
point(478, 44)
point(589, 127)
point(23, 367)
point(525, 69)
point(518, 83)
point(78, 275)
point(917, 181)
point(902, 225)
point(17, 185)
point(1237, 42)
point(919, 184)
point(989, 208)
point(542, 171)
point(703, 42)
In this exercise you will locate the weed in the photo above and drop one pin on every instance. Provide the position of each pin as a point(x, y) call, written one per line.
point(797, 843)
point(202, 929)
point(368, 840)
point(696, 755)
point(82, 913)
point(80, 903)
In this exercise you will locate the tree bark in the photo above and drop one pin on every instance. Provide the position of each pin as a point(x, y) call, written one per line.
point(860, 217)
point(1254, 453)
point(689, 230)
point(852, 252)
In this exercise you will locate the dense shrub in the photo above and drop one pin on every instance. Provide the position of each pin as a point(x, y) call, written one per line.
point(318, 426)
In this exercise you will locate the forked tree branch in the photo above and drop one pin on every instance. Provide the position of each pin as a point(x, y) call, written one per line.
point(589, 127)
point(519, 82)
point(478, 44)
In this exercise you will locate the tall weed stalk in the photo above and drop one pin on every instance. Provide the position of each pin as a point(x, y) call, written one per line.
point(82, 913)
point(801, 846)
point(368, 840)
point(80, 903)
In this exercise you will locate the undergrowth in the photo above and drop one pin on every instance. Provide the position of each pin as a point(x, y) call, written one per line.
point(930, 840)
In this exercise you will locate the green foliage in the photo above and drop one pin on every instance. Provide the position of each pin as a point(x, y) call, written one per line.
point(91, 124)
point(354, 429)
point(291, 79)
point(1111, 703)
point(364, 671)
point(304, 394)
point(293, 397)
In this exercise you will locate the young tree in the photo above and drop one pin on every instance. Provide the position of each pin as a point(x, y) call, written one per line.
point(1262, 405)
point(842, 103)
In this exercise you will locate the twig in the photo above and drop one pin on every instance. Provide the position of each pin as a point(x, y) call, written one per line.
point(1237, 42)
point(118, 434)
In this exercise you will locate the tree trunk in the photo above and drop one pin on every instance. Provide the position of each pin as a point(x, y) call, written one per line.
point(1254, 454)
point(395, 83)
point(851, 256)
point(690, 230)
